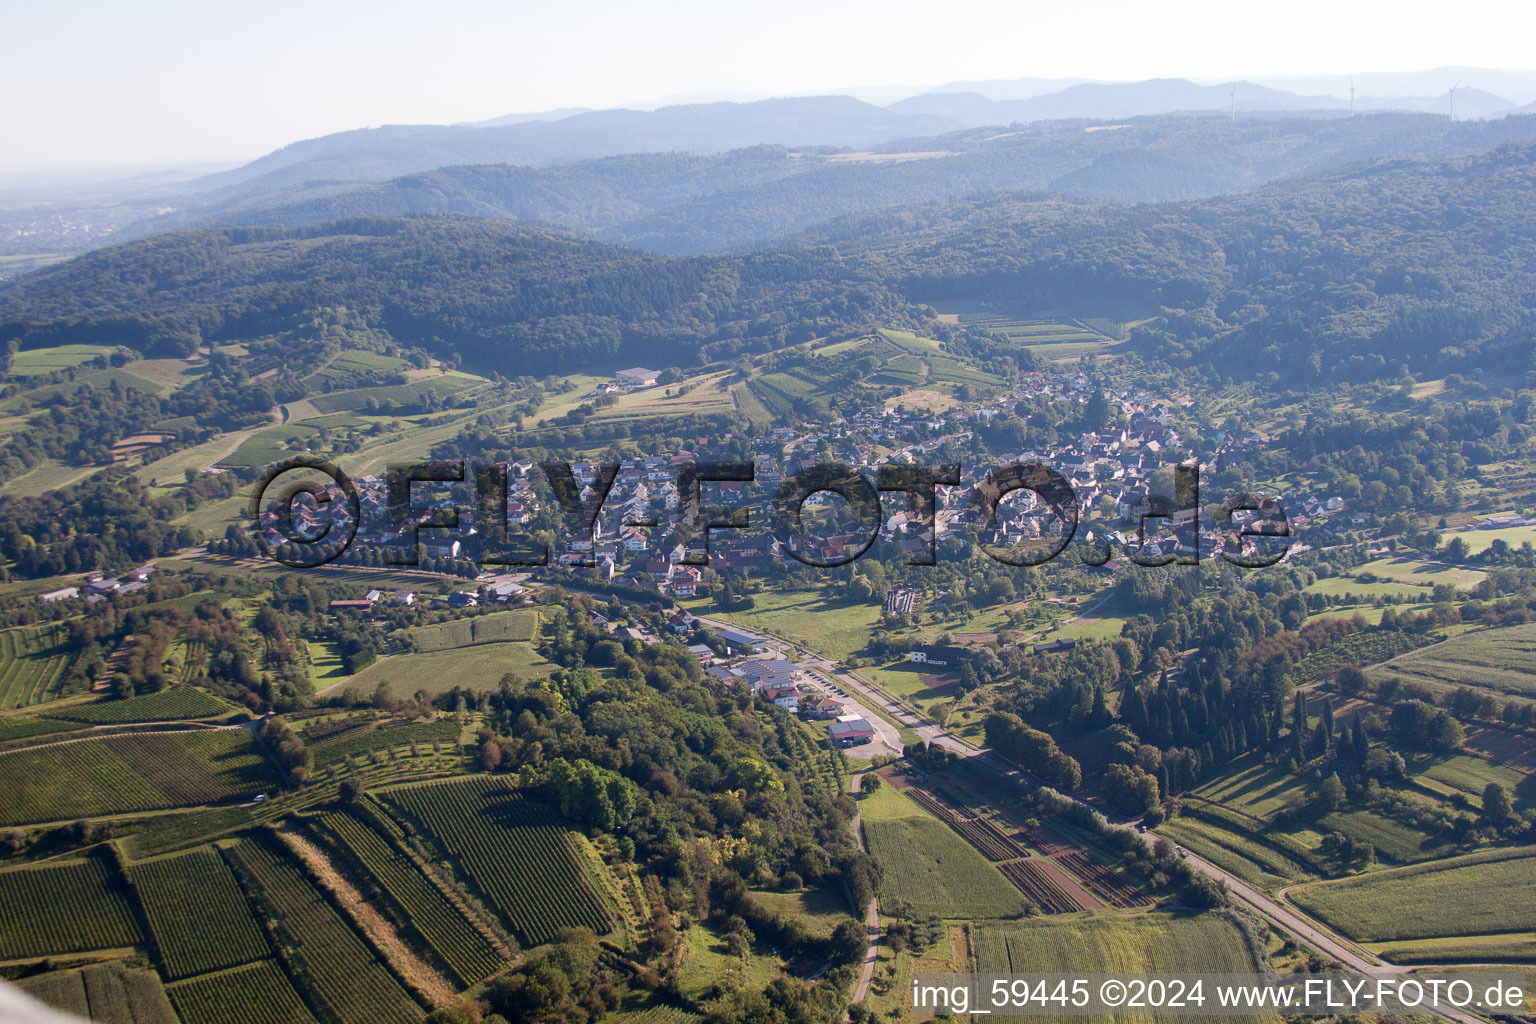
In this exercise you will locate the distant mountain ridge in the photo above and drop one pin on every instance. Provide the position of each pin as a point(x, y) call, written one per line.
point(681, 203)
point(378, 154)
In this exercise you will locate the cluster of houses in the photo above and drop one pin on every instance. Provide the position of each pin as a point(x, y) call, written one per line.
point(637, 541)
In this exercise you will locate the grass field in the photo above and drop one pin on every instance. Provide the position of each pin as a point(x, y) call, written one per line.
point(927, 865)
point(709, 960)
point(35, 362)
point(1478, 541)
point(93, 777)
point(836, 630)
point(325, 664)
point(1493, 891)
point(1502, 661)
point(476, 668)
point(820, 910)
point(1469, 776)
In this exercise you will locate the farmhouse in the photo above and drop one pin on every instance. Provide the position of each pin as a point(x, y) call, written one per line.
point(850, 734)
point(638, 377)
point(937, 655)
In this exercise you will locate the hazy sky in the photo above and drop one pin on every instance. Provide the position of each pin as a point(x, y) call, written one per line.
point(88, 83)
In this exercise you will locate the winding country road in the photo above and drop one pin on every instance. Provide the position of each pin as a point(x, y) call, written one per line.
point(872, 915)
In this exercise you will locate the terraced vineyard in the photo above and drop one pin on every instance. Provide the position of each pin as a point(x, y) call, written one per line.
point(520, 624)
point(26, 726)
point(175, 703)
point(512, 850)
point(64, 908)
point(330, 961)
point(417, 902)
point(33, 663)
point(257, 992)
point(197, 914)
point(353, 744)
point(1048, 338)
point(1366, 648)
point(1501, 661)
point(109, 993)
point(118, 774)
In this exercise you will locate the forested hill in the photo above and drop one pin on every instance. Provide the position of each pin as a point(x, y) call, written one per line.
point(1429, 266)
point(503, 296)
point(682, 203)
point(1360, 274)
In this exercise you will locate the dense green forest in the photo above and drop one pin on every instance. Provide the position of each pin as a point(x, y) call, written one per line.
point(1317, 279)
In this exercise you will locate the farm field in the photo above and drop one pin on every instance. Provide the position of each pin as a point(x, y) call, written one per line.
point(109, 993)
point(512, 850)
point(521, 624)
point(476, 668)
point(1516, 947)
point(1469, 776)
point(1146, 943)
point(416, 901)
point(340, 972)
point(1253, 862)
point(115, 775)
point(68, 907)
point(1501, 661)
point(930, 867)
point(1481, 893)
point(1138, 942)
point(197, 914)
point(33, 663)
point(175, 703)
point(258, 992)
